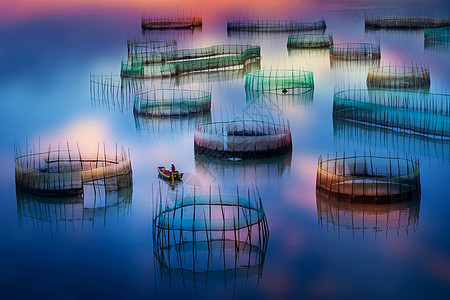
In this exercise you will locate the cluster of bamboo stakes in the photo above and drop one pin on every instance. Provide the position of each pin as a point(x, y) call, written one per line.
point(369, 178)
point(178, 237)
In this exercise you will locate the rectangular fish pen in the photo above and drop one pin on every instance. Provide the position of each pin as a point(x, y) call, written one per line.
point(355, 51)
point(280, 81)
point(275, 26)
point(155, 23)
point(405, 22)
point(310, 41)
point(135, 48)
point(418, 113)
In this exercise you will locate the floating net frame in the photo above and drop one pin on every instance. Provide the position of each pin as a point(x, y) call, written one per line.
point(193, 228)
point(425, 114)
point(399, 77)
point(367, 219)
point(275, 26)
point(173, 63)
point(280, 81)
point(136, 47)
point(437, 35)
point(368, 178)
point(310, 41)
point(405, 22)
point(172, 102)
point(58, 215)
point(355, 51)
point(242, 139)
point(154, 23)
point(64, 172)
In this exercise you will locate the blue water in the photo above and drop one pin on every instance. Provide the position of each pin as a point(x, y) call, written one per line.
point(45, 94)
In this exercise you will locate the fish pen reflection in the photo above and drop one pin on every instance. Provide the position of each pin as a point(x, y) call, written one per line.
point(54, 217)
point(367, 219)
point(272, 104)
point(203, 238)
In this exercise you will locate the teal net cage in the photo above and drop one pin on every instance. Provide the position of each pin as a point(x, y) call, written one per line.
point(369, 178)
point(65, 172)
point(405, 22)
point(309, 41)
point(242, 139)
point(437, 35)
point(399, 77)
point(403, 111)
point(279, 81)
point(172, 102)
point(176, 62)
point(202, 236)
point(275, 26)
point(355, 51)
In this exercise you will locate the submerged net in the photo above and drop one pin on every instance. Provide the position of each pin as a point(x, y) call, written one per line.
point(172, 102)
point(437, 35)
point(172, 63)
point(310, 41)
point(280, 81)
point(369, 179)
point(355, 51)
point(399, 77)
point(242, 139)
point(64, 172)
point(406, 22)
point(275, 26)
point(412, 112)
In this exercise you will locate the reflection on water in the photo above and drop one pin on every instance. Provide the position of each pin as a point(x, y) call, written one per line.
point(59, 216)
point(367, 219)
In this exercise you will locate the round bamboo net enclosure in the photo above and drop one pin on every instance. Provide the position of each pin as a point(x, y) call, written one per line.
point(274, 26)
point(280, 81)
point(355, 51)
point(367, 219)
point(369, 179)
point(149, 23)
point(65, 172)
point(172, 102)
point(310, 41)
point(418, 113)
point(176, 62)
point(437, 35)
point(242, 139)
point(399, 77)
point(405, 22)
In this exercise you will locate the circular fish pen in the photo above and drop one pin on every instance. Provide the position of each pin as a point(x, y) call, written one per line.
point(181, 61)
point(65, 172)
point(242, 139)
point(355, 51)
point(275, 26)
point(361, 220)
point(172, 102)
point(399, 77)
point(425, 114)
point(300, 41)
point(280, 81)
point(369, 179)
point(437, 35)
point(405, 22)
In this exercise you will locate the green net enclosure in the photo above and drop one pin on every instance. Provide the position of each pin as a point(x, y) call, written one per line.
point(404, 111)
point(65, 172)
point(242, 139)
point(173, 63)
point(280, 81)
point(361, 220)
point(225, 234)
point(310, 41)
point(399, 77)
point(172, 102)
point(275, 26)
point(437, 35)
point(355, 51)
point(369, 179)
point(407, 22)
point(153, 23)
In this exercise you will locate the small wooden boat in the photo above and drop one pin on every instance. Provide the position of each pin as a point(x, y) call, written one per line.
point(168, 175)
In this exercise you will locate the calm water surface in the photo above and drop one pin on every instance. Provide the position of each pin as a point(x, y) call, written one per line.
point(45, 93)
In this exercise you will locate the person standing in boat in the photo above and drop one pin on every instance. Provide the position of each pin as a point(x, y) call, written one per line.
point(173, 168)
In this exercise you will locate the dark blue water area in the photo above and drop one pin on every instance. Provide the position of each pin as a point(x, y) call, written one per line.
point(109, 253)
